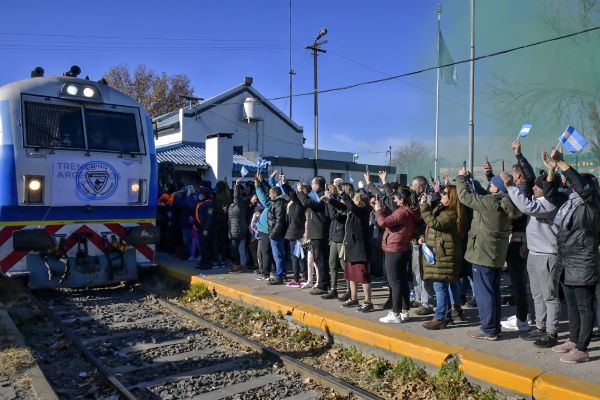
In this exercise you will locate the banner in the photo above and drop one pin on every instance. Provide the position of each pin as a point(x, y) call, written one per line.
point(93, 181)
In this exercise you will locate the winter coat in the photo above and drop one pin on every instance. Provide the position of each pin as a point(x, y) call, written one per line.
point(399, 228)
point(296, 217)
point(491, 225)
point(318, 222)
point(262, 192)
point(336, 228)
point(443, 238)
point(238, 225)
point(356, 228)
point(276, 218)
point(578, 242)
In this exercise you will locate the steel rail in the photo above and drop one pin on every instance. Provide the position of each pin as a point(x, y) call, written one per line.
point(321, 377)
point(76, 340)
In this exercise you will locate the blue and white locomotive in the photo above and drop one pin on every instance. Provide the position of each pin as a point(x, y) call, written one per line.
point(78, 179)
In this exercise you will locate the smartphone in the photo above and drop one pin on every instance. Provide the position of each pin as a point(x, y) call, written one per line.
point(486, 159)
point(464, 164)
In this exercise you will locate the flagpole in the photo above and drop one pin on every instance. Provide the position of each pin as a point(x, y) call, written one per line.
point(471, 139)
point(437, 94)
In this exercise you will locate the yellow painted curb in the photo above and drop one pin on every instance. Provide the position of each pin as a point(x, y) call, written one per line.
point(560, 387)
point(497, 371)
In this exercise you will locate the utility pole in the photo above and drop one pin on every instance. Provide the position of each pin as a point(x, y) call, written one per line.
point(471, 139)
point(315, 47)
point(292, 72)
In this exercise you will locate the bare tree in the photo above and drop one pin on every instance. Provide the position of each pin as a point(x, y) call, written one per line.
point(414, 158)
point(570, 88)
point(159, 94)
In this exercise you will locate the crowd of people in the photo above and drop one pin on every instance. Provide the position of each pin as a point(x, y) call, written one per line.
point(438, 245)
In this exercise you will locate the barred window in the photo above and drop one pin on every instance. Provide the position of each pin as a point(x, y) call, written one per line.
point(53, 126)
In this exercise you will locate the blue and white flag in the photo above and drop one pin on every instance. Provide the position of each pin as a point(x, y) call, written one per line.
point(299, 250)
point(447, 74)
point(572, 140)
point(244, 171)
point(351, 180)
point(263, 165)
point(525, 130)
point(280, 185)
point(428, 254)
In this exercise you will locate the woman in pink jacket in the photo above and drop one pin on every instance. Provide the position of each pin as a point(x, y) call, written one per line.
point(398, 228)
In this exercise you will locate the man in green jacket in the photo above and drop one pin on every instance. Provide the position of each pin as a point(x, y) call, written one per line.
point(486, 247)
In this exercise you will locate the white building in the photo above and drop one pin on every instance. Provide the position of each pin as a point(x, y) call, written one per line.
point(216, 137)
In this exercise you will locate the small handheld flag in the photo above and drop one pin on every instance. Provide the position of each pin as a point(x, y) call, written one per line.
point(262, 165)
point(572, 140)
point(244, 171)
point(298, 250)
point(524, 130)
point(428, 254)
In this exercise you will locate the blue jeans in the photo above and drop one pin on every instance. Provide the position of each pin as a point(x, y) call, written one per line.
point(486, 287)
point(278, 248)
point(443, 299)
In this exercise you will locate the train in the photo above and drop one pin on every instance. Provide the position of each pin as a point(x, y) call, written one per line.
point(77, 183)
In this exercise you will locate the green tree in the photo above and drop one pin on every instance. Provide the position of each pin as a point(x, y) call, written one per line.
point(414, 158)
point(569, 87)
point(158, 93)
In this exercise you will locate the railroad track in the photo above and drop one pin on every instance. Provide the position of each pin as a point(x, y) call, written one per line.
point(145, 347)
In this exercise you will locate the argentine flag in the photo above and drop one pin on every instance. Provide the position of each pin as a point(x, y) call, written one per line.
point(572, 140)
point(428, 254)
point(244, 171)
point(262, 165)
point(525, 130)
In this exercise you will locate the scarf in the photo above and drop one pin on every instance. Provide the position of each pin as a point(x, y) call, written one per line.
point(564, 216)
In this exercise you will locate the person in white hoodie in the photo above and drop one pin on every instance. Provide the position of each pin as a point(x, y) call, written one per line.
point(541, 262)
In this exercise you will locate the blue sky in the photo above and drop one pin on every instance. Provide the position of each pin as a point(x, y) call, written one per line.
point(217, 43)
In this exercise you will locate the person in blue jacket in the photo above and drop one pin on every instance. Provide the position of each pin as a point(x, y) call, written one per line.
point(204, 223)
point(264, 242)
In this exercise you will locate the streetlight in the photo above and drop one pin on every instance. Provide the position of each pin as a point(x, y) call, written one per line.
point(315, 47)
point(355, 157)
point(389, 154)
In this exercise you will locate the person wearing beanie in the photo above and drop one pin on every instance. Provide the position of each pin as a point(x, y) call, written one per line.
point(487, 246)
point(497, 181)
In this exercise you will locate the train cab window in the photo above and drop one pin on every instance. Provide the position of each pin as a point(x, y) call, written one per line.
point(53, 126)
point(111, 131)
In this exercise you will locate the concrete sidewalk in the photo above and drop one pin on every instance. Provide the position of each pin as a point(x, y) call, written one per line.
point(511, 362)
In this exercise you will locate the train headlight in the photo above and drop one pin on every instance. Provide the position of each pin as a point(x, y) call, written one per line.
point(77, 90)
point(72, 90)
point(137, 188)
point(34, 189)
point(89, 92)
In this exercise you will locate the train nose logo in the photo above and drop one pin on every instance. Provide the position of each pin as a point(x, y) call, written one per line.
point(97, 180)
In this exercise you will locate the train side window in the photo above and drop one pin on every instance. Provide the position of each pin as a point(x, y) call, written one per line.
point(111, 131)
point(53, 126)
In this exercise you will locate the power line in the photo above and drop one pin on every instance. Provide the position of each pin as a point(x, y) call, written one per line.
point(420, 71)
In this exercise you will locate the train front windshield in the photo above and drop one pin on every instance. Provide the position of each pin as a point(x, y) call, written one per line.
point(60, 126)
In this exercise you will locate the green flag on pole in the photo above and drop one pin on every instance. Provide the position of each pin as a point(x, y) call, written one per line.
point(448, 74)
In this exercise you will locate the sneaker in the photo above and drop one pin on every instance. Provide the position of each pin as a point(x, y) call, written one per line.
point(293, 283)
point(404, 316)
point(414, 304)
point(276, 281)
point(434, 324)
point(350, 303)
point(457, 313)
point(471, 303)
point(346, 296)
point(305, 285)
point(192, 259)
point(565, 347)
point(391, 318)
point(479, 334)
point(424, 310)
point(575, 356)
point(546, 341)
point(510, 324)
point(331, 294)
point(317, 291)
point(533, 334)
point(365, 307)
point(237, 268)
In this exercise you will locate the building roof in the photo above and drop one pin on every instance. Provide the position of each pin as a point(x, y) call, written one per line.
point(171, 119)
point(194, 155)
